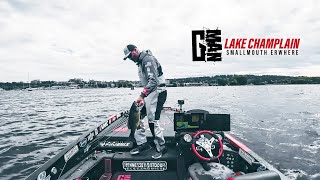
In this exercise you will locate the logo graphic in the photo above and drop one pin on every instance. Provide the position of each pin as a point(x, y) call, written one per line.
point(209, 47)
point(71, 153)
point(83, 142)
point(262, 46)
point(144, 165)
point(246, 156)
point(124, 177)
point(116, 144)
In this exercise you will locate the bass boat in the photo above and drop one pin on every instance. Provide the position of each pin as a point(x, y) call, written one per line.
point(199, 147)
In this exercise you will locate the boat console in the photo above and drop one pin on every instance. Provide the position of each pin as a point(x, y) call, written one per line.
point(212, 154)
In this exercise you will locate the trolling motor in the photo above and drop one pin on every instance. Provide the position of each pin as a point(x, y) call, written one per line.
point(180, 102)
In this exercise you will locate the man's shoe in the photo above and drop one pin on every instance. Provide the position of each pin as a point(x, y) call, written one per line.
point(158, 154)
point(141, 148)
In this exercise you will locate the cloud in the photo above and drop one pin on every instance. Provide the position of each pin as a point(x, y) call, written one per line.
point(58, 40)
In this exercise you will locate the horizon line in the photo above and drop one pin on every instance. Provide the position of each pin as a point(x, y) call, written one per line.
point(173, 78)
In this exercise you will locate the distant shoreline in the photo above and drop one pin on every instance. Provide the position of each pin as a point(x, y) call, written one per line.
point(37, 89)
point(219, 80)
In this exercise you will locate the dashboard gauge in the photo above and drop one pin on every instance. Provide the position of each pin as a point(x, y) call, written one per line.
point(187, 138)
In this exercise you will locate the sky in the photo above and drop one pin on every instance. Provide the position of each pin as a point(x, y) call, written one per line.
point(63, 39)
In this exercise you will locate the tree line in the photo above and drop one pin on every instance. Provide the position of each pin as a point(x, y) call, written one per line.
point(220, 80)
point(233, 80)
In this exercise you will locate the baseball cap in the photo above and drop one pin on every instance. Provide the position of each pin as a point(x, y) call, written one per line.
point(127, 50)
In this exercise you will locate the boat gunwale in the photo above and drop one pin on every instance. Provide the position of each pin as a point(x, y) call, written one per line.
point(47, 166)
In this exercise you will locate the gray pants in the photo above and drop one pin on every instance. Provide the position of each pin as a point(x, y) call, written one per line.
point(153, 104)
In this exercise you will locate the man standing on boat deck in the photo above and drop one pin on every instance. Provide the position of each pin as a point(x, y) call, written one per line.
point(153, 97)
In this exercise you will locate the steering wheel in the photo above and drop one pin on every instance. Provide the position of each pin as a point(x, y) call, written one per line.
point(207, 144)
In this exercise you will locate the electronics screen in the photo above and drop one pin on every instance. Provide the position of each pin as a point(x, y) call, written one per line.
point(188, 121)
point(217, 122)
point(201, 121)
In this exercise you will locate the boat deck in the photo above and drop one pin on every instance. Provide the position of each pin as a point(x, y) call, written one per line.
point(166, 122)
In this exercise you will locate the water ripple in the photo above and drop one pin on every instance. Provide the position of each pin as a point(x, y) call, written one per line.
point(280, 123)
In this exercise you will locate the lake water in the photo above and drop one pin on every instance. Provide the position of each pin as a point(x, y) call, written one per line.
point(280, 123)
